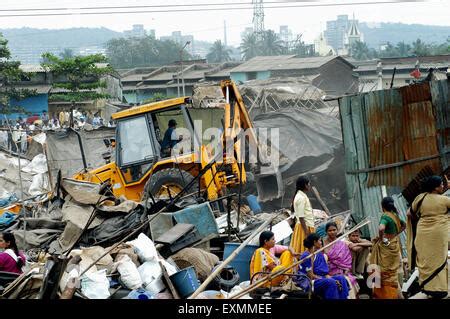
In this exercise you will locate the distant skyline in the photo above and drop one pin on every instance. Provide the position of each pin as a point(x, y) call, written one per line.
point(208, 25)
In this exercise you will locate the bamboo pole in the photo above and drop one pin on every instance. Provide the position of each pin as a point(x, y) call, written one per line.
point(231, 257)
point(321, 202)
point(282, 271)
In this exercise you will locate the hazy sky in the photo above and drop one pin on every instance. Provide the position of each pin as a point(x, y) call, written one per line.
point(208, 25)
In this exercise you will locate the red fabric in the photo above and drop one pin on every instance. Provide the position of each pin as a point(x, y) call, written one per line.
point(416, 74)
point(7, 263)
point(33, 118)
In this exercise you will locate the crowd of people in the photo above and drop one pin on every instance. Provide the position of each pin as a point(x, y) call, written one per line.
point(338, 265)
point(16, 134)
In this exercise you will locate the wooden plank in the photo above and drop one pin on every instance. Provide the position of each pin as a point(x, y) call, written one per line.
point(169, 282)
point(322, 203)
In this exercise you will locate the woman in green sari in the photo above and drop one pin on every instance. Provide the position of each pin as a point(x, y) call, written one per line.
point(386, 251)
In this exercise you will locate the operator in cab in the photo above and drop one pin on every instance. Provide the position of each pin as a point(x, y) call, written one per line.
point(170, 139)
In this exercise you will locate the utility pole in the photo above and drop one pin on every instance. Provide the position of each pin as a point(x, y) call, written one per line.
point(225, 33)
point(181, 64)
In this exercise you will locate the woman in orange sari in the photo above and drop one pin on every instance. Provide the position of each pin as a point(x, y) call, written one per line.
point(264, 260)
point(386, 251)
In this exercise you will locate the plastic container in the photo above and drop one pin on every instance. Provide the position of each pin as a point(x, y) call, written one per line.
point(185, 281)
point(242, 261)
point(254, 204)
point(140, 294)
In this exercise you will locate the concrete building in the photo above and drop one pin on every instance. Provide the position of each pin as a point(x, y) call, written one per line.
point(285, 35)
point(137, 31)
point(377, 74)
point(336, 32)
point(332, 74)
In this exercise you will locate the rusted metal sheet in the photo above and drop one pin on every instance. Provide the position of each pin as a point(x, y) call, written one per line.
point(406, 129)
point(401, 126)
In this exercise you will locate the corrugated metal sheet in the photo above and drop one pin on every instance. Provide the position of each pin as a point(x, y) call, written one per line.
point(441, 103)
point(398, 122)
point(363, 201)
point(387, 127)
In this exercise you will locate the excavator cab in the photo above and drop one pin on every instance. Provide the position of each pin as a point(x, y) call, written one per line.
point(140, 140)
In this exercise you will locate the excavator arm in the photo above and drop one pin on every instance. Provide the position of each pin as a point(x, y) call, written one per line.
point(239, 129)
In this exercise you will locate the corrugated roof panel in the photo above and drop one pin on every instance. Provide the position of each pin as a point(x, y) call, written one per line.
point(365, 202)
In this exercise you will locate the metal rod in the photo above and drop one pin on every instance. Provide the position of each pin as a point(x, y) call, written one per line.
point(398, 164)
point(83, 156)
point(393, 76)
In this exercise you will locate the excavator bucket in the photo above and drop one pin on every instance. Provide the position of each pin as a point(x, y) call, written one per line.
point(269, 185)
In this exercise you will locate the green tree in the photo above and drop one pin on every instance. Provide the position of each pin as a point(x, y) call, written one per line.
point(250, 46)
point(390, 51)
point(420, 48)
point(302, 49)
point(10, 76)
point(66, 54)
point(403, 49)
point(360, 51)
point(271, 43)
point(218, 53)
point(81, 76)
point(145, 51)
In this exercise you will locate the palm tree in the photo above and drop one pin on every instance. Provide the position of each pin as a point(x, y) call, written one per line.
point(250, 46)
point(67, 54)
point(419, 48)
point(403, 49)
point(271, 43)
point(218, 53)
point(360, 51)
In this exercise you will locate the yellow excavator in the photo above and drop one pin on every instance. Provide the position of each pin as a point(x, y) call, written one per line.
point(142, 163)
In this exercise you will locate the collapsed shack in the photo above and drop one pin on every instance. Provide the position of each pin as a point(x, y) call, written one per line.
point(310, 139)
point(393, 139)
point(273, 95)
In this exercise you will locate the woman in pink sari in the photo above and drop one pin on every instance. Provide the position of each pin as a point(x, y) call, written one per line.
point(339, 256)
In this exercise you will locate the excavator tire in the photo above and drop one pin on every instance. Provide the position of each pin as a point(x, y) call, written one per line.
point(172, 178)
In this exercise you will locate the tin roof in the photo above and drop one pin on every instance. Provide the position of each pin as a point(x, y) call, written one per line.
point(285, 62)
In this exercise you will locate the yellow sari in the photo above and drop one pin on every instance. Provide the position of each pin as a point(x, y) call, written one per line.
point(262, 258)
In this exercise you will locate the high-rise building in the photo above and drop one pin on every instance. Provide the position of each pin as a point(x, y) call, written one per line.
point(137, 31)
point(342, 33)
point(285, 34)
point(336, 32)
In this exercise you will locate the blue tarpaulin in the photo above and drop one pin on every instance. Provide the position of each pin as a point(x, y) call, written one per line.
point(5, 201)
point(6, 219)
point(199, 215)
